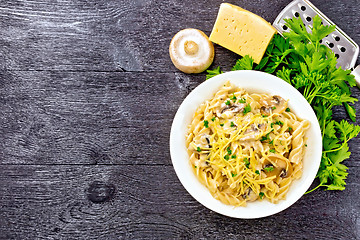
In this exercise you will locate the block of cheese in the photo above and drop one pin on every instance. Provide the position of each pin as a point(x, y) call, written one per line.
point(242, 32)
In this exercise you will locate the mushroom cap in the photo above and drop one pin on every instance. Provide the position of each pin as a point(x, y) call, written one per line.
point(191, 51)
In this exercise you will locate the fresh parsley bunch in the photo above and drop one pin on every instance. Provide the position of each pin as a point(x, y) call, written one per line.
point(310, 67)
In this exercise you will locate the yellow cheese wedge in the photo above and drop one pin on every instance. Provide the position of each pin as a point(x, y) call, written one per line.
point(242, 32)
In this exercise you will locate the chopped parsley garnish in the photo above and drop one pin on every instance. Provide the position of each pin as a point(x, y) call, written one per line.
point(232, 124)
point(287, 110)
point(233, 175)
point(229, 150)
point(264, 116)
point(266, 137)
point(247, 109)
point(247, 162)
point(198, 149)
point(226, 157)
point(221, 124)
point(263, 138)
point(257, 172)
point(195, 166)
point(269, 169)
point(273, 108)
point(233, 156)
point(233, 98)
point(206, 123)
point(261, 195)
point(242, 100)
point(227, 102)
point(280, 123)
point(271, 125)
point(271, 142)
point(213, 119)
point(290, 129)
point(305, 145)
point(272, 150)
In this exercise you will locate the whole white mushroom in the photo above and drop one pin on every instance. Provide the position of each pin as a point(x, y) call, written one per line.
point(191, 51)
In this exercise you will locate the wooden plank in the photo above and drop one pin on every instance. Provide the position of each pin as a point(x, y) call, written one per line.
point(148, 202)
point(89, 118)
point(122, 35)
point(95, 118)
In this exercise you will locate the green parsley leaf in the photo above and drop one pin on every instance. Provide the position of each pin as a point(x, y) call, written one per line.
point(273, 108)
point(229, 150)
point(351, 111)
point(280, 123)
point(221, 124)
point(245, 63)
point(247, 109)
point(232, 124)
point(227, 102)
point(272, 150)
point(263, 138)
point(233, 156)
point(213, 119)
point(226, 157)
point(198, 149)
point(242, 100)
point(269, 169)
point(261, 195)
point(233, 97)
point(257, 172)
point(206, 123)
point(233, 175)
point(247, 162)
point(213, 73)
point(287, 110)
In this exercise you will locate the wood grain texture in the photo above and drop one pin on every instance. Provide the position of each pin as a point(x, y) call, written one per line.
point(122, 35)
point(147, 203)
point(89, 118)
point(87, 98)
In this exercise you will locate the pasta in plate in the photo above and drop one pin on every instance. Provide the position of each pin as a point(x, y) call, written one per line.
point(245, 147)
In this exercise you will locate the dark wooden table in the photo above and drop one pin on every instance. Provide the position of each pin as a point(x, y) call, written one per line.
point(88, 94)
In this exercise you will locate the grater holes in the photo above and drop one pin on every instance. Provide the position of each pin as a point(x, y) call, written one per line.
point(320, 41)
point(337, 56)
point(285, 27)
point(331, 45)
point(342, 49)
point(337, 38)
point(303, 8)
point(308, 19)
point(296, 14)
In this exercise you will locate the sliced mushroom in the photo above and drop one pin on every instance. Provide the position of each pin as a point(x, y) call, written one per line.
point(253, 132)
point(274, 104)
point(191, 51)
point(203, 141)
point(249, 195)
point(281, 168)
point(228, 111)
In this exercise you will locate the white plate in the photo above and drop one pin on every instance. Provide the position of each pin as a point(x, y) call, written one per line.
point(252, 81)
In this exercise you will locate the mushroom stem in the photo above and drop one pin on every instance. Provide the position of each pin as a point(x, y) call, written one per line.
point(191, 47)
